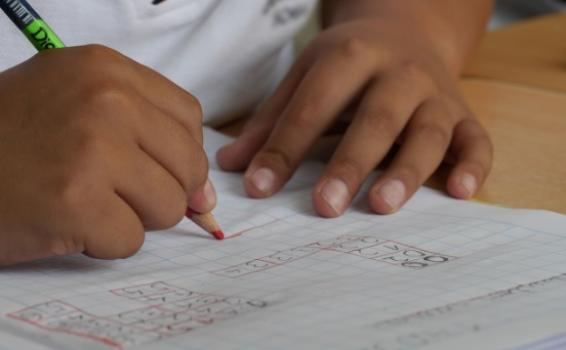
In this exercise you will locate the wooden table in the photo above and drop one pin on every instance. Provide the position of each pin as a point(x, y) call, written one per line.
point(531, 53)
point(528, 128)
point(516, 85)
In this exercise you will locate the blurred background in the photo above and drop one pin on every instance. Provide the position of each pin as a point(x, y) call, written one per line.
point(510, 11)
point(506, 12)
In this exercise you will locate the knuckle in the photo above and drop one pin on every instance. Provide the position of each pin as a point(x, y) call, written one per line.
point(89, 145)
point(196, 106)
point(105, 94)
point(480, 137)
point(196, 115)
point(100, 71)
point(305, 117)
point(381, 122)
point(351, 169)
point(433, 132)
point(410, 68)
point(276, 158)
point(452, 107)
point(97, 54)
point(95, 61)
point(59, 246)
point(355, 47)
point(71, 194)
point(411, 73)
point(193, 119)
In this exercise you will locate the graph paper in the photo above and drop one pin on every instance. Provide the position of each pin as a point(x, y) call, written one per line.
point(440, 274)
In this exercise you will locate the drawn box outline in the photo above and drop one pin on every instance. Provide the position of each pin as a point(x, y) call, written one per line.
point(154, 335)
point(328, 247)
point(104, 340)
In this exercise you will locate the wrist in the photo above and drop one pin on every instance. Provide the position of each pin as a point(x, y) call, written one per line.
point(432, 25)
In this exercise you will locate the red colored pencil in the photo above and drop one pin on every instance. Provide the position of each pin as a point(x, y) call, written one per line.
point(207, 222)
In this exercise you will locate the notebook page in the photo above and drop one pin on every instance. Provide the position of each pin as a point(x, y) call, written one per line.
point(439, 274)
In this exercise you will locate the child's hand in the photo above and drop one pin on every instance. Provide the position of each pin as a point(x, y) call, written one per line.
point(93, 149)
point(401, 91)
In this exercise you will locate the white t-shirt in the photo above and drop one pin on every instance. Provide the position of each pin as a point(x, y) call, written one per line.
point(228, 53)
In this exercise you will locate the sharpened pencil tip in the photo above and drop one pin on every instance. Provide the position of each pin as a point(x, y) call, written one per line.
point(219, 235)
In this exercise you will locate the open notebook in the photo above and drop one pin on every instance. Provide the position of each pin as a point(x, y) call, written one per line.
point(440, 274)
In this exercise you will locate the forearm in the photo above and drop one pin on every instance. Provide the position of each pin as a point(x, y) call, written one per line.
point(453, 27)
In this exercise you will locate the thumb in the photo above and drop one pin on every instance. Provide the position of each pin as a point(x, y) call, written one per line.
point(203, 200)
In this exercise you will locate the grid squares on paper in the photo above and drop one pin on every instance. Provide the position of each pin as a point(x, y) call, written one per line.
point(311, 292)
point(170, 311)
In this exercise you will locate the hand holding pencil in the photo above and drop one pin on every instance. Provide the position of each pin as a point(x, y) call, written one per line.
point(89, 164)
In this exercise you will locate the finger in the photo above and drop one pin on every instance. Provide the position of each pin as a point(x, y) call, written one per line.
point(427, 140)
point(98, 224)
point(115, 231)
point(381, 117)
point(203, 200)
point(473, 150)
point(167, 96)
point(326, 91)
point(173, 147)
point(141, 128)
point(154, 87)
point(150, 190)
point(171, 99)
point(237, 155)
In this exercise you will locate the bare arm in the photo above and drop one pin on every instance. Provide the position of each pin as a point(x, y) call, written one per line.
point(452, 26)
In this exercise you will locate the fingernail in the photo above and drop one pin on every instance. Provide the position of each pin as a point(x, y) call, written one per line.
point(203, 200)
point(209, 194)
point(264, 180)
point(335, 193)
point(469, 183)
point(393, 193)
